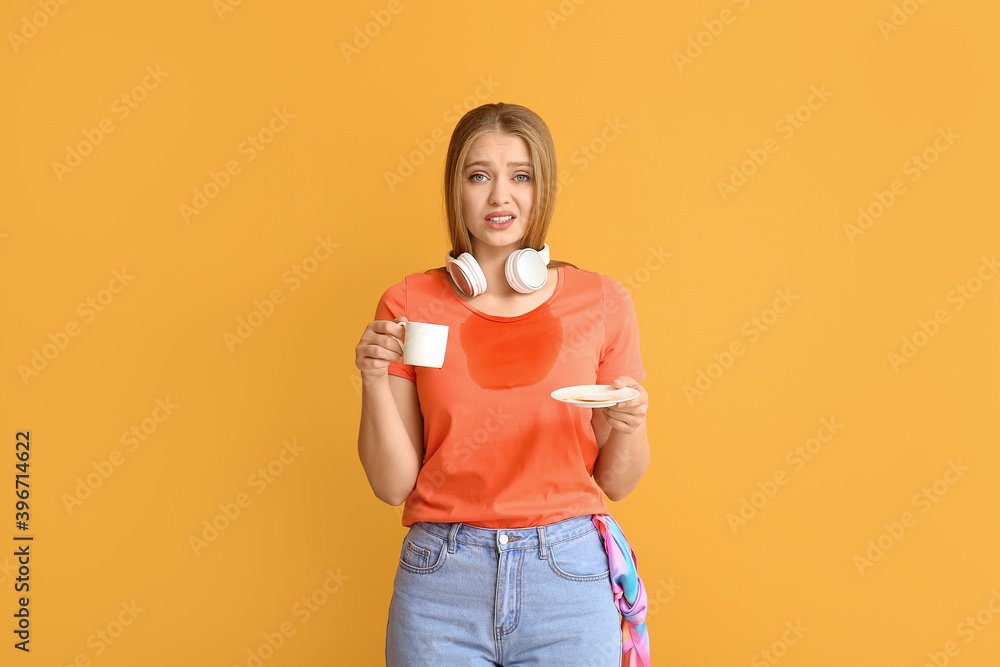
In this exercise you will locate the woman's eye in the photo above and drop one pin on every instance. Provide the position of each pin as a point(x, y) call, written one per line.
point(477, 177)
point(523, 177)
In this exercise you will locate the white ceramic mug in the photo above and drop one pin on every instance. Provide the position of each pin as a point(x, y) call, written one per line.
point(424, 344)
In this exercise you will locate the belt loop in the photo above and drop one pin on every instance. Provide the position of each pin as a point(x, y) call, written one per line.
point(543, 551)
point(451, 537)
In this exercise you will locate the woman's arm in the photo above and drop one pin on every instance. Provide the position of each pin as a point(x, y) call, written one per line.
point(391, 435)
point(624, 446)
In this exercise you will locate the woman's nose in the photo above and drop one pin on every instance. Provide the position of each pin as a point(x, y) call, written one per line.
point(498, 195)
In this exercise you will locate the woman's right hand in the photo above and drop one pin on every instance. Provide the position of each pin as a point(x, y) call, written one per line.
point(380, 345)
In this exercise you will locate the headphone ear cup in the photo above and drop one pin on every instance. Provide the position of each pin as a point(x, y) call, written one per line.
point(526, 270)
point(467, 275)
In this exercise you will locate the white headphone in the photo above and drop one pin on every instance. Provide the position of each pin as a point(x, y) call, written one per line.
point(525, 270)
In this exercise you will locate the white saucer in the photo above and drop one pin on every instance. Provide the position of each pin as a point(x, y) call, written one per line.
point(606, 394)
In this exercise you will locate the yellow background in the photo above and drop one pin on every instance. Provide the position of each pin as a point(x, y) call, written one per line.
point(642, 144)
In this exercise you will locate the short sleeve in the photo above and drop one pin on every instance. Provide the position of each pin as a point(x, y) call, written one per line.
point(390, 306)
point(620, 354)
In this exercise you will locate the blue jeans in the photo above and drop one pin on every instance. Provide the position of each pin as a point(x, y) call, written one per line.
point(465, 595)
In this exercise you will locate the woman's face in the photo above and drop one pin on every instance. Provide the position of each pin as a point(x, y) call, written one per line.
point(497, 190)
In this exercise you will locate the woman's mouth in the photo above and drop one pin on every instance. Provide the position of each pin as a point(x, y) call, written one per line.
point(500, 221)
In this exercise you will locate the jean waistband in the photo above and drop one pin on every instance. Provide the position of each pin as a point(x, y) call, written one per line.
point(508, 539)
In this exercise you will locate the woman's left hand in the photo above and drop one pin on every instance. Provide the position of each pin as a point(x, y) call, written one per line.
point(628, 415)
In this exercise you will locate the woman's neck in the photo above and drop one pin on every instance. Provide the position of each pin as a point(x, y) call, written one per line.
point(492, 261)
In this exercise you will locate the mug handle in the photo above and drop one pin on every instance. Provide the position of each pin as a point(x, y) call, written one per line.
point(402, 342)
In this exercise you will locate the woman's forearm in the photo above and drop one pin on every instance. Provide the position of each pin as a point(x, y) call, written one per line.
point(390, 439)
point(622, 462)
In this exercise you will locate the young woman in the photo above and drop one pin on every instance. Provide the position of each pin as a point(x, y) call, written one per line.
point(507, 558)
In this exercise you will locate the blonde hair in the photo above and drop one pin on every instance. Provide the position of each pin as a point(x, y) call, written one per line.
point(518, 121)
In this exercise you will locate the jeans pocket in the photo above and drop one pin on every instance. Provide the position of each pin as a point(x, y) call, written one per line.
point(422, 552)
point(580, 558)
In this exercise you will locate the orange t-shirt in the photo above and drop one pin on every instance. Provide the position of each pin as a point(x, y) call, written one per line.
point(499, 452)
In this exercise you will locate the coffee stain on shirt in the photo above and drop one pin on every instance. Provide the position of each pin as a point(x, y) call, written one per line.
point(506, 354)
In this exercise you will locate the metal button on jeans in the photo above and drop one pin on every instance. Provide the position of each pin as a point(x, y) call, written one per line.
point(503, 539)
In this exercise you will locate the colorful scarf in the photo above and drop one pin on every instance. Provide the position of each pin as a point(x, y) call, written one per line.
point(630, 593)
